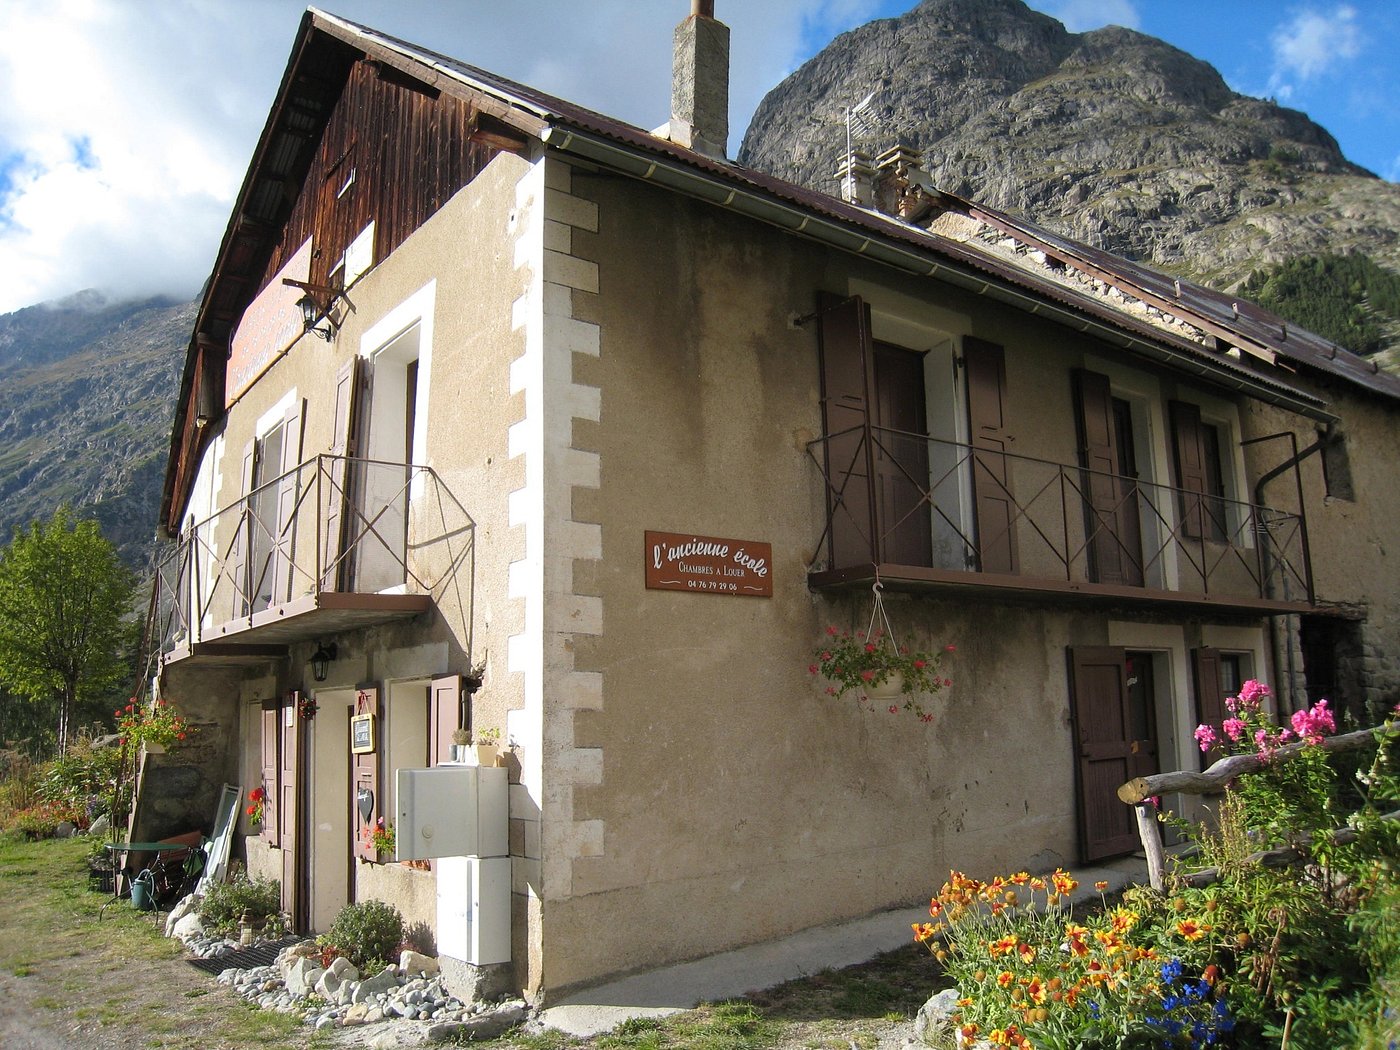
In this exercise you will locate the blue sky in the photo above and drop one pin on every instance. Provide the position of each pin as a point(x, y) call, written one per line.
point(127, 125)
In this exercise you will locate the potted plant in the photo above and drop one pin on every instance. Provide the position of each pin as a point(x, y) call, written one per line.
point(256, 798)
point(876, 670)
point(461, 740)
point(158, 726)
point(381, 837)
point(483, 750)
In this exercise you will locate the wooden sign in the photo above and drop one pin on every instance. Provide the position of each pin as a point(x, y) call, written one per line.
point(361, 734)
point(682, 561)
point(270, 324)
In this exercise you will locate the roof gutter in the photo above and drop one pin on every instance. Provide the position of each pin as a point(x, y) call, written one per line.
point(796, 219)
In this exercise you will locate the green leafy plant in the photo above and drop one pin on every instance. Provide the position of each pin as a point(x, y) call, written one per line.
point(1032, 976)
point(83, 777)
point(381, 836)
point(225, 903)
point(859, 663)
point(368, 933)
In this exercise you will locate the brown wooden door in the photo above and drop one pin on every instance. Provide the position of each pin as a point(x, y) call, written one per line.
point(1105, 754)
point(991, 471)
point(845, 350)
point(290, 812)
point(901, 457)
point(1111, 523)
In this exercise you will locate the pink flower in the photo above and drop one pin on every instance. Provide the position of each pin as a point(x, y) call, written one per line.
point(870, 647)
point(1205, 736)
point(947, 681)
point(1156, 801)
point(831, 630)
point(1252, 694)
point(867, 675)
point(1315, 724)
point(893, 709)
point(919, 665)
point(811, 668)
point(1234, 728)
point(954, 648)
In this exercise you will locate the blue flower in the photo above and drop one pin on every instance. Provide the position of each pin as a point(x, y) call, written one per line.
point(1171, 971)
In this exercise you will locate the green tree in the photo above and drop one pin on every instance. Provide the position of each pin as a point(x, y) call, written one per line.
point(63, 596)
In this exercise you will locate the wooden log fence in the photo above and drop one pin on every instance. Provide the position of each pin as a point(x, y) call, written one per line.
point(1215, 778)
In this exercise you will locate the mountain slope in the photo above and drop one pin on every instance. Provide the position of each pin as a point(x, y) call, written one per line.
point(1111, 137)
point(86, 398)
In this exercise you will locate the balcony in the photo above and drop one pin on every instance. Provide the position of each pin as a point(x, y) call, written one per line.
point(332, 545)
point(948, 517)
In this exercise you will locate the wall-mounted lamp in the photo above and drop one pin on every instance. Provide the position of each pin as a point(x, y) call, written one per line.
point(315, 305)
point(321, 660)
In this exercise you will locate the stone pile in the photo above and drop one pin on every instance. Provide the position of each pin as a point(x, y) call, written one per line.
point(338, 996)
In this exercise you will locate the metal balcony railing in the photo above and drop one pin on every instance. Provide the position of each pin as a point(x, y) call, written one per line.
point(331, 524)
point(940, 508)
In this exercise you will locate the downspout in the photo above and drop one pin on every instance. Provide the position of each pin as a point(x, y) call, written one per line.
point(1279, 642)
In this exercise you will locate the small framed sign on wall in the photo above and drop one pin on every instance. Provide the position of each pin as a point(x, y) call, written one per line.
point(362, 734)
point(683, 561)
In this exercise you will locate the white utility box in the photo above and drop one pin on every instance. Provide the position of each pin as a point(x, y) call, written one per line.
point(473, 909)
point(453, 811)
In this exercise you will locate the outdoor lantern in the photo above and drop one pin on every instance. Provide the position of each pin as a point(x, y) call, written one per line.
point(311, 313)
point(321, 660)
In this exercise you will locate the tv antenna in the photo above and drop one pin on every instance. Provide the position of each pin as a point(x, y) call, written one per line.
point(859, 121)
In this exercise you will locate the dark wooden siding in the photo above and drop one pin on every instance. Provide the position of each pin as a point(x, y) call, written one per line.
point(410, 150)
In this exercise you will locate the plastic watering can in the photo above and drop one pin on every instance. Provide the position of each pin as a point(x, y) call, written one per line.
point(143, 891)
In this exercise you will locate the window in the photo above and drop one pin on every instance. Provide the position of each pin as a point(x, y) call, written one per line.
point(1336, 467)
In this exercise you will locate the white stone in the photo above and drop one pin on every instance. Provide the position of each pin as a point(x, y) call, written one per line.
point(416, 962)
point(181, 909)
point(344, 969)
point(328, 984)
point(189, 927)
point(302, 976)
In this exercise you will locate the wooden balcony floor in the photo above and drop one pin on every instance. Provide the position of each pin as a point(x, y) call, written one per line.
point(1002, 587)
point(266, 634)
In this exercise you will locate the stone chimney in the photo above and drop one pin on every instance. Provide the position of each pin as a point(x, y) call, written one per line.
point(700, 82)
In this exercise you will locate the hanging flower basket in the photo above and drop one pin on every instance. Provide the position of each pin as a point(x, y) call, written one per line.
point(874, 668)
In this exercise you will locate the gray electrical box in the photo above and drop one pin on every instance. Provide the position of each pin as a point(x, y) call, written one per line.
point(452, 811)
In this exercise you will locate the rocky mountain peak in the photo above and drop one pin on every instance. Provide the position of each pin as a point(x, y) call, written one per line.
point(1112, 137)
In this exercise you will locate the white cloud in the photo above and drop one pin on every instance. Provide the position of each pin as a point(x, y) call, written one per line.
point(129, 125)
point(1314, 42)
point(1082, 15)
point(117, 177)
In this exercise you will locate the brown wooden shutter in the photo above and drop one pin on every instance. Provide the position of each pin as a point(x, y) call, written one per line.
point(1099, 703)
point(271, 769)
point(365, 776)
point(1106, 519)
point(1210, 694)
point(288, 488)
point(1189, 458)
point(241, 552)
point(444, 716)
point(337, 476)
point(289, 812)
point(845, 349)
point(991, 481)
